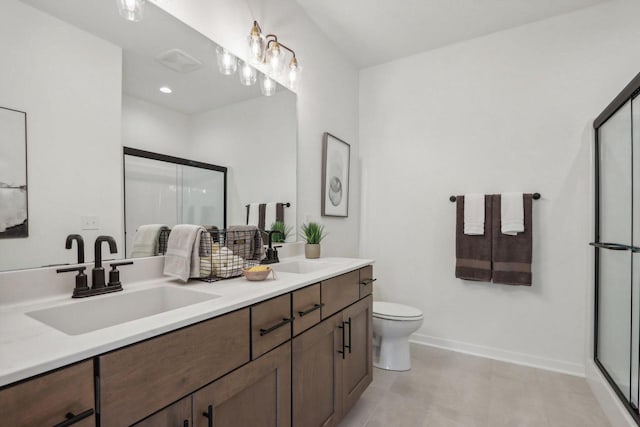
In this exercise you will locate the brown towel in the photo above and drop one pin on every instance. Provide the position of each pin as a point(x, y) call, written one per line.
point(473, 253)
point(262, 208)
point(512, 254)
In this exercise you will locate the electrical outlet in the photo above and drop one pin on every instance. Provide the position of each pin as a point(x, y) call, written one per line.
point(90, 223)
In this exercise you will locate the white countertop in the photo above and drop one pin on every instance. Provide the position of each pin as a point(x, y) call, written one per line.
point(29, 347)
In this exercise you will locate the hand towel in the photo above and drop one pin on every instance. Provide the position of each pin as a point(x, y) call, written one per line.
point(145, 241)
point(473, 252)
point(270, 215)
point(511, 213)
point(474, 215)
point(253, 215)
point(182, 247)
point(512, 254)
point(245, 241)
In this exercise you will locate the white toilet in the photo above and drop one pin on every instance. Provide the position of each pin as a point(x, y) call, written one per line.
point(392, 325)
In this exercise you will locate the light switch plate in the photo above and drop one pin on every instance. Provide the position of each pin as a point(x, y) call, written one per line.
point(90, 223)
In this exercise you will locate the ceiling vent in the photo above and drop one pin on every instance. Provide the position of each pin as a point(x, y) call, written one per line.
point(179, 61)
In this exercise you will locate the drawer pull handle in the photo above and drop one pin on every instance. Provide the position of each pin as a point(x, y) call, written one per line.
point(72, 419)
point(348, 322)
point(274, 327)
point(185, 423)
point(310, 310)
point(367, 282)
point(209, 415)
point(342, 352)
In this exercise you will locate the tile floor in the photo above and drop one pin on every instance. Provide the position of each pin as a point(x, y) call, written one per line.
point(448, 389)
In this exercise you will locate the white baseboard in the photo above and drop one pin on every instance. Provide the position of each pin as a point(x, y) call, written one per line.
point(610, 403)
point(500, 354)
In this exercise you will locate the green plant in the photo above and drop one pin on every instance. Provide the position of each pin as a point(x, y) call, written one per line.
point(284, 229)
point(313, 233)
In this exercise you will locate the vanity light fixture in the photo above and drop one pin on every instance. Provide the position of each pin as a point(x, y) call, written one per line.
point(227, 63)
point(269, 51)
point(131, 10)
point(247, 74)
point(166, 89)
point(267, 85)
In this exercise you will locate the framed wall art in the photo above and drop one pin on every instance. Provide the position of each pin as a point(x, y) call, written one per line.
point(335, 176)
point(14, 222)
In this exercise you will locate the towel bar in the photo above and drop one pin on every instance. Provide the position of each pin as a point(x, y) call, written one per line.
point(535, 196)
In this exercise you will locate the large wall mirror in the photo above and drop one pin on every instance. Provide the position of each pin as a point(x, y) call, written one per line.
point(90, 83)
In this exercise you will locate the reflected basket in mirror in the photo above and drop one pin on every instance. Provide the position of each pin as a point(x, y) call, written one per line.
point(225, 253)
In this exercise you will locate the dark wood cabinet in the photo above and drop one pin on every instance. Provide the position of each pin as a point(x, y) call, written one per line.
point(138, 380)
point(339, 292)
point(357, 365)
point(307, 307)
point(332, 366)
point(176, 415)
point(317, 374)
point(270, 324)
point(46, 400)
point(256, 395)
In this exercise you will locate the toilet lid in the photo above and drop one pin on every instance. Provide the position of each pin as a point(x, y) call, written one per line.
point(393, 311)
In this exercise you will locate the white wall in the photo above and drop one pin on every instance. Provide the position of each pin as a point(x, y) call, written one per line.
point(69, 83)
point(327, 97)
point(510, 111)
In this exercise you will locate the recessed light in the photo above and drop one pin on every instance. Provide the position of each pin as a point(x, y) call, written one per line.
point(165, 89)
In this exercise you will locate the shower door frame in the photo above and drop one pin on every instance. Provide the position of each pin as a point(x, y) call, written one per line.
point(628, 94)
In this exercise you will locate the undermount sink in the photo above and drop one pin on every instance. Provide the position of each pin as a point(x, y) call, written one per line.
point(300, 267)
point(96, 313)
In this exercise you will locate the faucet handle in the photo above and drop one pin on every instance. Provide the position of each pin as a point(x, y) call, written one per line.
point(114, 274)
point(81, 288)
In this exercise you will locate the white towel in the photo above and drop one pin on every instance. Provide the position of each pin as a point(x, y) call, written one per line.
point(254, 214)
point(474, 214)
point(511, 213)
point(145, 241)
point(269, 215)
point(183, 250)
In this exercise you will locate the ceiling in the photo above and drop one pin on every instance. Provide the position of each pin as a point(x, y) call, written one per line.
point(374, 32)
point(201, 90)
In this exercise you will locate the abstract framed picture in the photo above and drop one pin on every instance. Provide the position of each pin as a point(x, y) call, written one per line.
point(335, 176)
point(14, 218)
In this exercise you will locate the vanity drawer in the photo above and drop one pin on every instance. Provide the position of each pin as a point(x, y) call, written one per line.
point(306, 308)
point(366, 281)
point(46, 400)
point(339, 292)
point(138, 380)
point(270, 324)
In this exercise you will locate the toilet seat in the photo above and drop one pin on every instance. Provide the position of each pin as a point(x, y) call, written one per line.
point(393, 311)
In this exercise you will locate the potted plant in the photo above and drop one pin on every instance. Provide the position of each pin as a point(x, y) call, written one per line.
point(313, 233)
point(284, 229)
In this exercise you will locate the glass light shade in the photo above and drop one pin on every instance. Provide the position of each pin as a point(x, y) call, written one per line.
point(255, 48)
point(131, 10)
point(267, 85)
point(275, 58)
point(227, 63)
point(247, 74)
point(294, 75)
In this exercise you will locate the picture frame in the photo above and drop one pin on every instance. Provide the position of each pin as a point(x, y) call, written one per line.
point(336, 158)
point(14, 206)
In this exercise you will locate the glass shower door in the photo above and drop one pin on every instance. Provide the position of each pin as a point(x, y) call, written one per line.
point(614, 340)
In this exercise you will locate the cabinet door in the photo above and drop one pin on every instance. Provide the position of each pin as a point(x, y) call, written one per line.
point(357, 366)
point(46, 400)
point(176, 415)
point(317, 375)
point(255, 395)
point(138, 380)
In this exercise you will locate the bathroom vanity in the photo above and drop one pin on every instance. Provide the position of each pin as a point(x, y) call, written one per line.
point(292, 351)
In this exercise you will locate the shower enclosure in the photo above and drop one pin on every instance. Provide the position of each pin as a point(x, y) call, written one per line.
point(617, 244)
